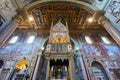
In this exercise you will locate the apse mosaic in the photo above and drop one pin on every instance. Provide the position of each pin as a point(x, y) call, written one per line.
point(25, 50)
point(112, 50)
point(7, 50)
point(92, 50)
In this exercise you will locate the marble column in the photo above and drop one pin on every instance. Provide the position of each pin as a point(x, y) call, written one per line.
point(115, 34)
point(37, 66)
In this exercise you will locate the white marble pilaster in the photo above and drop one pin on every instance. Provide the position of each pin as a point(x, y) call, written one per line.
point(36, 66)
point(115, 34)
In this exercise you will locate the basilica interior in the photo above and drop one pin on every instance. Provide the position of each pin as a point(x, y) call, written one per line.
point(59, 40)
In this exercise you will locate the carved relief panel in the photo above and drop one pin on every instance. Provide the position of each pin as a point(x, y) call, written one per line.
point(7, 9)
point(113, 13)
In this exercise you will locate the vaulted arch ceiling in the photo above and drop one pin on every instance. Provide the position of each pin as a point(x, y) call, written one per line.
point(75, 13)
point(84, 4)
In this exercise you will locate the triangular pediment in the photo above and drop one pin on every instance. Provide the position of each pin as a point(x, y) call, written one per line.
point(59, 27)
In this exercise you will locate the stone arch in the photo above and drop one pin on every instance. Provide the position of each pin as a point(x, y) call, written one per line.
point(83, 5)
point(97, 67)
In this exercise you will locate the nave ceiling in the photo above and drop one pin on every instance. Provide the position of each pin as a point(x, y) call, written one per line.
point(44, 14)
point(54, 10)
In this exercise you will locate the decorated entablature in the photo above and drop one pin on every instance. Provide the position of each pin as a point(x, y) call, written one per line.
point(59, 41)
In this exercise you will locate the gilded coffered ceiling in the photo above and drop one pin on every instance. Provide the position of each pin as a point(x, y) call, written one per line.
point(44, 14)
point(53, 12)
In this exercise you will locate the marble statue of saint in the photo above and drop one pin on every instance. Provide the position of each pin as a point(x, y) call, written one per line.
point(48, 48)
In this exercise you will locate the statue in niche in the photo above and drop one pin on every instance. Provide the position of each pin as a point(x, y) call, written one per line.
point(59, 49)
point(48, 48)
point(114, 8)
point(69, 47)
